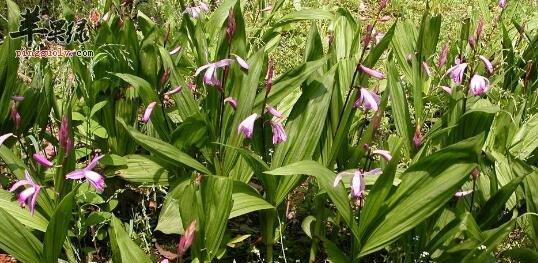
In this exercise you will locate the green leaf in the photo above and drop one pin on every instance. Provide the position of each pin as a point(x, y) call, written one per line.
point(334, 254)
point(426, 186)
point(494, 206)
point(143, 169)
point(163, 149)
point(217, 200)
point(246, 200)
point(17, 241)
point(124, 250)
point(58, 228)
point(10, 205)
point(170, 219)
point(524, 142)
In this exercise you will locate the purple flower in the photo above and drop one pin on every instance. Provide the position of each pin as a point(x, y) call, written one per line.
point(17, 98)
point(175, 50)
point(383, 153)
point(383, 4)
point(443, 56)
point(487, 63)
point(279, 134)
point(29, 195)
point(502, 4)
point(195, 11)
point(367, 100)
point(447, 89)
point(472, 42)
point(456, 72)
point(479, 85)
point(247, 125)
point(42, 160)
point(210, 76)
point(371, 72)
point(358, 184)
point(241, 61)
point(174, 91)
point(463, 193)
point(231, 101)
point(4, 137)
point(148, 111)
point(426, 69)
point(274, 112)
point(186, 240)
point(95, 179)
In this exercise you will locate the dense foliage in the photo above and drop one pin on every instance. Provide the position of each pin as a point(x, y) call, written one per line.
point(191, 144)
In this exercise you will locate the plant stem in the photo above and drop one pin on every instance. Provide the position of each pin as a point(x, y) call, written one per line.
point(472, 194)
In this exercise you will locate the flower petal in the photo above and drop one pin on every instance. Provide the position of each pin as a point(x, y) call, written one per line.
point(75, 175)
point(96, 180)
point(94, 162)
point(241, 61)
point(148, 111)
point(4, 137)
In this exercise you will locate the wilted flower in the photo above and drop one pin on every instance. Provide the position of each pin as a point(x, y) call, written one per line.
point(95, 179)
point(502, 4)
point(230, 29)
point(279, 134)
point(447, 89)
point(186, 240)
point(4, 137)
point(443, 56)
point(472, 42)
point(456, 72)
point(371, 72)
point(269, 76)
point(487, 64)
point(42, 160)
point(247, 125)
point(367, 100)
point(274, 112)
point(383, 4)
point(475, 173)
point(462, 193)
point(29, 195)
point(231, 101)
point(378, 37)
point(479, 29)
point(383, 153)
point(148, 111)
point(165, 77)
point(367, 36)
point(15, 116)
point(195, 11)
point(173, 91)
point(426, 69)
point(210, 76)
point(65, 140)
point(417, 138)
point(479, 85)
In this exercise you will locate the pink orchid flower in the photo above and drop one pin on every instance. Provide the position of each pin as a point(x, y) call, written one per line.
point(29, 195)
point(96, 180)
